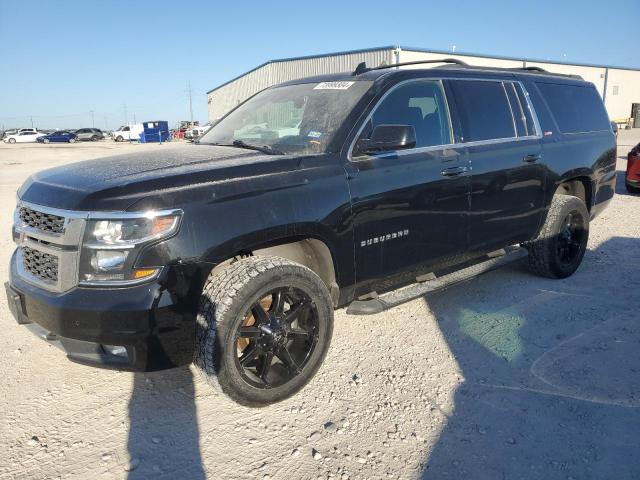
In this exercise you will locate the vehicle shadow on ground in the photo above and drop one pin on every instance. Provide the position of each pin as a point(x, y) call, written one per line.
point(551, 372)
point(621, 188)
point(164, 441)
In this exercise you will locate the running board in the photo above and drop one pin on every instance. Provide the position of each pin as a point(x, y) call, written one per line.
point(433, 284)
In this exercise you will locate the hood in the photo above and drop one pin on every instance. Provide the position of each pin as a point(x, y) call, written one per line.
point(149, 179)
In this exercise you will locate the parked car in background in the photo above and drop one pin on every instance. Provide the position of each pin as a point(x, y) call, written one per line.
point(61, 136)
point(632, 177)
point(23, 137)
point(197, 131)
point(89, 134)
point(128, 132)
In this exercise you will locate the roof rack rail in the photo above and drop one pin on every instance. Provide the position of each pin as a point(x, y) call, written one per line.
point(534, 69)
point(362, 67)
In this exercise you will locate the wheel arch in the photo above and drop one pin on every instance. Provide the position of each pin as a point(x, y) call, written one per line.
point(579, 185)
point(310, 250)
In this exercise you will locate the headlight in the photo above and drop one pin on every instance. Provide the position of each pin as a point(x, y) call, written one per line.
point(111, 246)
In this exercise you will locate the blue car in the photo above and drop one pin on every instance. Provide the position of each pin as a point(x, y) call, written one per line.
point(58, 137)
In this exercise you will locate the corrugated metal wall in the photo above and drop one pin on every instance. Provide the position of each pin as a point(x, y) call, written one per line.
point(228, 96)
point(618, 101)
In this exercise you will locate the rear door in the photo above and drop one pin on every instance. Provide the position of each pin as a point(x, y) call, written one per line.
point(503, 147)
point(410, 206)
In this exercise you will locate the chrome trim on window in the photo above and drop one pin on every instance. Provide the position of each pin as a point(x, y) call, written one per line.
point(534, 116)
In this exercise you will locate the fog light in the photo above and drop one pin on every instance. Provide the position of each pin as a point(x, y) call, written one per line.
point(117, 350)
point(108, 260)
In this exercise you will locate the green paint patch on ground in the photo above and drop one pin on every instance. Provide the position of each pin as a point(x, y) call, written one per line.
point(497, 332)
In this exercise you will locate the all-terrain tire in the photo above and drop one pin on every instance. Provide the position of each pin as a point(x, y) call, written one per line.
point(544, 258)
point(227, 296)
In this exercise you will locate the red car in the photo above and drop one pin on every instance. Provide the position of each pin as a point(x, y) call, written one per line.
point(632, 179)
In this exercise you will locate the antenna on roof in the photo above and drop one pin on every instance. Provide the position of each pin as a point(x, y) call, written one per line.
point(362, 67)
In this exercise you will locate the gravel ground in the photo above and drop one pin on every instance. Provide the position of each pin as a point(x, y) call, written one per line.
point(508, 376)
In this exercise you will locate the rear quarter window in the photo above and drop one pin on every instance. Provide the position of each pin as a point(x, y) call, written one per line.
point(576, 108)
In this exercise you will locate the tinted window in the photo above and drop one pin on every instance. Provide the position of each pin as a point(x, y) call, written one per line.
point(576, 108)
point(484, 109)
point(528, 116)
point(420, 104)
point(520, 109)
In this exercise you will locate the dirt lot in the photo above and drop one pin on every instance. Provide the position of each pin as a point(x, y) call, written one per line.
point(508, 376)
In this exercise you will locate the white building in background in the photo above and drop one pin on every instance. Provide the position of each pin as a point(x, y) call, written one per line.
point(619, 86)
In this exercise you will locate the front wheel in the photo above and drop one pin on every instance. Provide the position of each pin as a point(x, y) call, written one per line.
point(46, 140)
point(119, 138)
point(72, 140)
point(558, 249)
point(264, 326)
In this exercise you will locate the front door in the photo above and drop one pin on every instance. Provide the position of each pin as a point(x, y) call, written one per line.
point(409, 207)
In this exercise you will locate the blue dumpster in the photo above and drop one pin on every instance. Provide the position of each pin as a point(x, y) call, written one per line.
point(155, 131)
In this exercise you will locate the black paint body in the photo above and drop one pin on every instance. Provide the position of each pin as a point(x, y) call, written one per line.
point(236, 201)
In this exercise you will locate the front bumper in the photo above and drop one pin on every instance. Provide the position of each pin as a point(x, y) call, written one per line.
point(156, 329)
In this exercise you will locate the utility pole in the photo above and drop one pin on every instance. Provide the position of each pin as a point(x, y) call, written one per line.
point(125, 112)
point(190, 103)
point(93, 123)
point(134, 118)
point(106, 125)
point(31, 117)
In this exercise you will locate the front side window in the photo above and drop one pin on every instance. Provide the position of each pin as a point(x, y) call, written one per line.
point(420, 104)
point(484, 109)
point(299, 119)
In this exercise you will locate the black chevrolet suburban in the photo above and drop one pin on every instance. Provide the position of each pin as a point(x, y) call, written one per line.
point(360, 189)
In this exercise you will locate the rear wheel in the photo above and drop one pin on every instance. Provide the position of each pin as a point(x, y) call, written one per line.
point(12, 140)
point(264, 327)
point(561, 244)
point(632, 189)
point(119, 138)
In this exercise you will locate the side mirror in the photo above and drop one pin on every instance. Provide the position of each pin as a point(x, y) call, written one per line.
point(388, 137)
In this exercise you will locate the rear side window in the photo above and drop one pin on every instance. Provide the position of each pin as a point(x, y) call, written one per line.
point(576, 108)
point(484, 109)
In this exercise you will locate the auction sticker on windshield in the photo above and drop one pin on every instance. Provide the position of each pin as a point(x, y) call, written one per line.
point(333, 85)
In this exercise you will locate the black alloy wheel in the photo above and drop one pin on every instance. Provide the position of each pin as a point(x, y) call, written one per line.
point(570, 238)
point(276, 338)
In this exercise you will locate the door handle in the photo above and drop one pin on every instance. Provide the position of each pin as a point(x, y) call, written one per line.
point(531, 158)
point(453, 171)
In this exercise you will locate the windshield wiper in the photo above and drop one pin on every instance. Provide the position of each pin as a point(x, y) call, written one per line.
point(242, 144)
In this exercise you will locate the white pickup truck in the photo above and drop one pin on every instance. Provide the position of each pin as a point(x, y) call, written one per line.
point(128, 132)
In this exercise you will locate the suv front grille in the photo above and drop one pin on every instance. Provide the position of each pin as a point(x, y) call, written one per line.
point(42, 221)
point(41, 265)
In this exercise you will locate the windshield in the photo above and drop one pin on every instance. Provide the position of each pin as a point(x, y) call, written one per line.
point(300, 119)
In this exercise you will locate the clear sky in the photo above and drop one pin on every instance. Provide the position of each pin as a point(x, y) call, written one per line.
point(63, 59)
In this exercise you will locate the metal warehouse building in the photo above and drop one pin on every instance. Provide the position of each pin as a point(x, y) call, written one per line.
point(618, 86)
